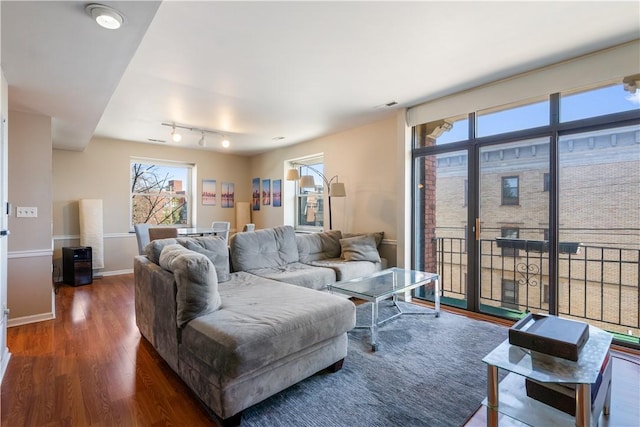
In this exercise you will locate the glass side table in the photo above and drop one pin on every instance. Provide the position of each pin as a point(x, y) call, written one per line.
point(509, 397)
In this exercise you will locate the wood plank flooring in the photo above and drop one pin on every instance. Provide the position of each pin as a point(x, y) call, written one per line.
point(90, 367)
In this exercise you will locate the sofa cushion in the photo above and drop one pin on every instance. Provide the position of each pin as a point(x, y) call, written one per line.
point(196, 282)
point(317, 246)
point(154, 248)
point(347, 270)
point(360, 248)
point(267, 248)
point(262, 321)
point(299, 274)
point(214, 248)
point(378, 236)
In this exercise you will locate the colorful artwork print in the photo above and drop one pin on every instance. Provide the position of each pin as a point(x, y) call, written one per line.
point(209, 192)
point(228, 195)
point(255, 194)
point(277, 193)
point(266, 191)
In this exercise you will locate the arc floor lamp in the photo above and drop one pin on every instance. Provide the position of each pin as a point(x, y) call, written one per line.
point(335, 189)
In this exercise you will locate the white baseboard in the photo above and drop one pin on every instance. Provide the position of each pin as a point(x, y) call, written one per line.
point(116, 272)
point(30, 319)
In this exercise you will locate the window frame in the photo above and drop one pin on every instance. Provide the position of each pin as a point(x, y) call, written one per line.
point(509, 201)
point(303, 166)
point(187, 192)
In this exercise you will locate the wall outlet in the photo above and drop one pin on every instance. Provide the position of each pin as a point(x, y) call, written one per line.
point(26, 212)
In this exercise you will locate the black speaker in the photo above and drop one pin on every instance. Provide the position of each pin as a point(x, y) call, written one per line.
point(77, 265)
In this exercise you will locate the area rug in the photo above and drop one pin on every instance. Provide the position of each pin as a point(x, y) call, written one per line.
point(427, 371)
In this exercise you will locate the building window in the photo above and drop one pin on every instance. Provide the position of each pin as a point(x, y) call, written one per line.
point(510, 233)
point(160, 193)
point(309, 209)
point(546, 182)
point(510, 190)
point(509, 293)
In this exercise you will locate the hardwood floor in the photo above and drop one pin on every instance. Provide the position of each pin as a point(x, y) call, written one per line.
point(90, 367)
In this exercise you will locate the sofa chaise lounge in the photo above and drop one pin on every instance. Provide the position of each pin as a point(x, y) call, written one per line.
point(237, 338)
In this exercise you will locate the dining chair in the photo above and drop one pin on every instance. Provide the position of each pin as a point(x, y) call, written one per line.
point(162, 233)
point(221, 229)
point(142, 236)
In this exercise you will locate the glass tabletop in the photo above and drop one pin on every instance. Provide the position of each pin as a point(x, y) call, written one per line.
point(383, 283)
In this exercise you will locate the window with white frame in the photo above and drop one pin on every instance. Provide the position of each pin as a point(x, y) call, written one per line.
point(309, 207)
point(161, 192)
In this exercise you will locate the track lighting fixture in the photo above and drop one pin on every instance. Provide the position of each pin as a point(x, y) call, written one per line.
point(176, 137)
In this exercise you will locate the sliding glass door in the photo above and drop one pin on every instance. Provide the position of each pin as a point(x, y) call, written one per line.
point(514, 227)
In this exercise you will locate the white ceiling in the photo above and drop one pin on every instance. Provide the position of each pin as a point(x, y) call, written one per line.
point(259, 70)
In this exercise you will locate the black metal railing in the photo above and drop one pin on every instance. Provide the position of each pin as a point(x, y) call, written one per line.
point(597, 284)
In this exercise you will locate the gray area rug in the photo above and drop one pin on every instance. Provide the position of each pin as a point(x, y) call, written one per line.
point(427, 372)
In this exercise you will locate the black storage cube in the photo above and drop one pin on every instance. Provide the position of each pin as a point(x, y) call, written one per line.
point(77, 265)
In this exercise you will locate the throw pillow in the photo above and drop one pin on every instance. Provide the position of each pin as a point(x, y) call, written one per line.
point(360, 248)
point(319, 246)
point(154, 248)
point(378, 236)
point(196, 282)
point(214, 248)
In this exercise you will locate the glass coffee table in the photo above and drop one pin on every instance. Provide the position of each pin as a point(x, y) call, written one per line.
point(387, 284)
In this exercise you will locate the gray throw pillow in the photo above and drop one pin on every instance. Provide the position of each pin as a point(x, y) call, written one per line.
point(214, 248)
point(360, 248)
point(154, 248)
point(378, 236)
point(196, 282)
point(319, 246)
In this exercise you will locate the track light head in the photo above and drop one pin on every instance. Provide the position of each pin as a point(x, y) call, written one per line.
point(175, 135)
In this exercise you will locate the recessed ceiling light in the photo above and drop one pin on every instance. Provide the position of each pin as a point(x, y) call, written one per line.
point(225, 142)
point(105, 16)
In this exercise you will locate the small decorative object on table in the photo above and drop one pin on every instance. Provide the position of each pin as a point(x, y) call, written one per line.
point(550, 334)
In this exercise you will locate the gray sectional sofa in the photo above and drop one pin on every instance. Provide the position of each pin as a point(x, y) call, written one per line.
point(238, 332)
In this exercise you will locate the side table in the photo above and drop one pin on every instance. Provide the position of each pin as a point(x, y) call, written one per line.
point(508, 397)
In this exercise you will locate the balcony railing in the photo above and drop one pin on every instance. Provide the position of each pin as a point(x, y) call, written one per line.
point(596, 284)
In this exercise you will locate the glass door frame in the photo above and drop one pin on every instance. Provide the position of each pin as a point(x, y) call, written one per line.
point(554, 131)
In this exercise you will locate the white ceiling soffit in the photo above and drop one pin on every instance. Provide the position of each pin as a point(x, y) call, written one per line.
point(59, 62)
point(260, 70)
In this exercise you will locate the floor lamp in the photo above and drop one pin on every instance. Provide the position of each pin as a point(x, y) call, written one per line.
point(336, 189)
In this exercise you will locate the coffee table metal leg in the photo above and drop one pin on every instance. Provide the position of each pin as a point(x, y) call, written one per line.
point(374, 325)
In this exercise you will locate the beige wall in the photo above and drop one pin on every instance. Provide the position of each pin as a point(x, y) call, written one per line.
point(102, 171)
point(29, 289)
point(365, 159)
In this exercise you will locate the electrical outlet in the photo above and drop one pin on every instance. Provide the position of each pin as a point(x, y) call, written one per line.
point(26, 212)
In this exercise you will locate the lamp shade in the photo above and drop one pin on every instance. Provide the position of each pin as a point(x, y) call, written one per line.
point(292, 175)
point(307, 181)
point(337, 190)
